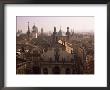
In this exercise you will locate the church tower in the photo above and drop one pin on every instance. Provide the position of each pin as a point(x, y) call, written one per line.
point(34, 31)
point(54, 36)
point(42, 31)
point(28, 32)
point(68, 33)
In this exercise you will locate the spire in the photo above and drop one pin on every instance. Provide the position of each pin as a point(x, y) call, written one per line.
point(60, 32)
point(28, 32)
point(28, 27)
point(54, 29)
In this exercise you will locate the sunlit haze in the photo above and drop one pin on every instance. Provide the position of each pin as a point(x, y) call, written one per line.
point(78, 24)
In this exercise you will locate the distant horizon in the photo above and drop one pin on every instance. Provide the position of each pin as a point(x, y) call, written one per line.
point(76, 24)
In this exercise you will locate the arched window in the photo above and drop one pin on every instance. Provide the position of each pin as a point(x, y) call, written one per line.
point(45, 71)
point(67, 71)
point(56, 70)
point(36, 70)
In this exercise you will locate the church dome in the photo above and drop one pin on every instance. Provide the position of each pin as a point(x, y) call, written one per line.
point(35, 28)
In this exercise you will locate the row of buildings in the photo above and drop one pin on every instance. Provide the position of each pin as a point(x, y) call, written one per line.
point(66, 53)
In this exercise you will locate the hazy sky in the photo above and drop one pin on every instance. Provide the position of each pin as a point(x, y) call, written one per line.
point(79, 24)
